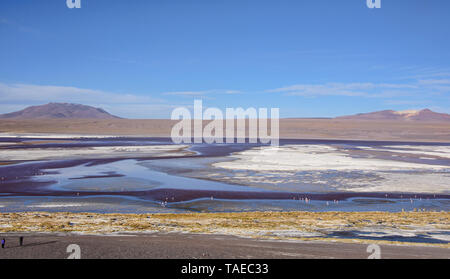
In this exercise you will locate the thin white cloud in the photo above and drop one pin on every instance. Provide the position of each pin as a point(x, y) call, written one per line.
point(202, 93)
point(367, 89)
point(143, 111)
point(17, 96)
point(420, 103)
point(231, 92)
point(434, 81)
point(20, 93)
point(19, 27)
point(324, 89)
point(187, 93)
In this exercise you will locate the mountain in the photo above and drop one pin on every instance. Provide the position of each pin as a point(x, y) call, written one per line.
point(59, 110)
point(409, 115)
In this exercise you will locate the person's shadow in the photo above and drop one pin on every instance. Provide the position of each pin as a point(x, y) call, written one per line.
point(31, 244)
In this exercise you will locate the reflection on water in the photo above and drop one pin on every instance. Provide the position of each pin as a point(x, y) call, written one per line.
point(97, 204)
point(353, 204)
point(134, 176)
point(127, 204)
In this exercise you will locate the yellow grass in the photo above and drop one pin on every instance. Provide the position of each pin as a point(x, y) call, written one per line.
point(252, 224)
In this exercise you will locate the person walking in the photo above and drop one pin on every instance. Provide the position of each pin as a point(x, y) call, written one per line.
point(3, 243)
point(21, 241)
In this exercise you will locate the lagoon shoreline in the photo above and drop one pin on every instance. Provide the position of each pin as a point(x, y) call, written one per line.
point(405, 228)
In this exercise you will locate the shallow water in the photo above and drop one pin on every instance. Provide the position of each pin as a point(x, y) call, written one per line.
point(132, 176)
point(417, 173)
point(350, 205)
point(95, 204)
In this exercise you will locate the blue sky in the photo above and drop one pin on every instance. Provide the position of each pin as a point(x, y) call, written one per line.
point(141, 58)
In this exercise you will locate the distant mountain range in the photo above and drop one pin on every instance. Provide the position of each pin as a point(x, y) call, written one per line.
point(408, 115)
point(59, 110)
point(77, 111)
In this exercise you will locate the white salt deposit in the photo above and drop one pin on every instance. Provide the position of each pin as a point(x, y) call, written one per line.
point(311, 158)
point(53, 136)
point(55, 205)
point(288, 166)
point(410, 182)
point(7, 143)
point(91, 152)
point(438, 151)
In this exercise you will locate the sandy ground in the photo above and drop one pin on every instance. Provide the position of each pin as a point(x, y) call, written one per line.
point(198, 246)
point(289, 128)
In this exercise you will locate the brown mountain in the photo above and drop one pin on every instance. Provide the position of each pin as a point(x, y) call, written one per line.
point(59, 110)
point(408, 115)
